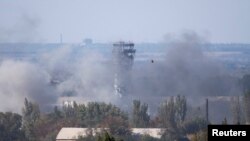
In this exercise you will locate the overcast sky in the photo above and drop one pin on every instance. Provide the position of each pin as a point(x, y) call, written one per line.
point(136, 20)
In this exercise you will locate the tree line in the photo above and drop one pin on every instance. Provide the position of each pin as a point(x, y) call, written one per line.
point(34, 125)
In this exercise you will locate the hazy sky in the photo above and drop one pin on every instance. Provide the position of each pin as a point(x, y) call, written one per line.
point(110, 20)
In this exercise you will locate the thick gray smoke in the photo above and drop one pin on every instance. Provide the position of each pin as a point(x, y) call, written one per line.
point(185, 70)
point(19, 79)
point(84, 75)
point(56, 74)
point(88, 76)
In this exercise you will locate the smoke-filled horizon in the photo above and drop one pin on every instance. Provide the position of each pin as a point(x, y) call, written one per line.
point(89, 76)
point(185, 70)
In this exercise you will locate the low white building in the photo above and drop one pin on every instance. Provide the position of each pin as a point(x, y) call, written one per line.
point(153, 132)
point(72, 134)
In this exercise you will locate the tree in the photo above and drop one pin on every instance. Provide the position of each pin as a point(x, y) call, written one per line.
point(57, 114)
point(200, 136)
point(172, 114)
point(245, 83)
point(31, 116)
point(104, 137)
point(81, 114)
point(167, 113)
point(181, 108)
point(140, 117)
point(246, 101)
point(195, 125)
point(108, 137)
point(236, 110)
point(69, 110)
point(10, 124)
point(117, 125)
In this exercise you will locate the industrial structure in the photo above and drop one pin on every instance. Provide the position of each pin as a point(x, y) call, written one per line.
point(123, 59)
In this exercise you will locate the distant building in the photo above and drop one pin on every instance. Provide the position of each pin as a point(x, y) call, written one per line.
point(86, 42)
point(72, 134)
point(123, 59)
point(68, 103)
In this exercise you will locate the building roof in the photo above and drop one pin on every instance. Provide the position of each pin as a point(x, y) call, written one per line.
point(70, 133)
point(73, 133)
point(153, 132)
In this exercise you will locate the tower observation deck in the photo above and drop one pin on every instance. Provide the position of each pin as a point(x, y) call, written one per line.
point(123, 59)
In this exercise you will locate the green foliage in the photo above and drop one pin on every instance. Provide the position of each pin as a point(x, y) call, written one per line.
point(173, 112)
point(181, 108)
point(117, 125)
point(82, 114)
point(167, 113)
point(88, 138)
point(31, 116)
point(245, 83)
point(70, 111)
point(51, 136)
point(34, 126)
point(200, 136)
point(148, 138)
point(140, 117)
point(94, 113)
point(56, 114)
point(195, 125)
point(103, 137)
point(31, 112)
point(246, 101)
point(10, 124)
point(236, 109)
point(107, 137)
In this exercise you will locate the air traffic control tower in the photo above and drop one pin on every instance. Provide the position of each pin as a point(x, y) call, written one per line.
point(123, 59)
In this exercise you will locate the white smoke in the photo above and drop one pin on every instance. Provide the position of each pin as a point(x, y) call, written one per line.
point(88, 77)
point(20, 79)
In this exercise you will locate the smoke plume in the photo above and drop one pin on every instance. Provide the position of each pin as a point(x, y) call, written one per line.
point(20, 79)
point(185, 70)
point(84, 75)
